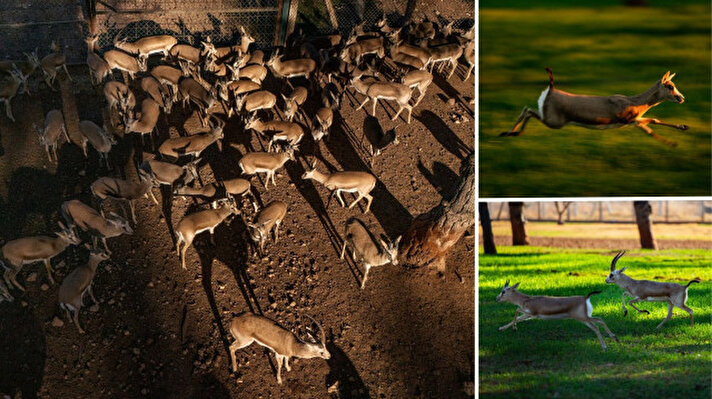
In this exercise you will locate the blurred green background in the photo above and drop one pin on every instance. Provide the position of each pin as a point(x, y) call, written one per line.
point(598, 48)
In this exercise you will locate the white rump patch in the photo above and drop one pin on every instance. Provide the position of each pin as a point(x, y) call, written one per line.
point(540, 102)
point(589, 307)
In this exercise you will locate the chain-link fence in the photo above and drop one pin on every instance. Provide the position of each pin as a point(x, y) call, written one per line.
point(606, 212)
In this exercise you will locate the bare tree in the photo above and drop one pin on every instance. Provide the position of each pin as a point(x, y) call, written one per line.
point(560, 210)
point(516, 217)
point(432, 234)
point(643, 210)
point(487, 235)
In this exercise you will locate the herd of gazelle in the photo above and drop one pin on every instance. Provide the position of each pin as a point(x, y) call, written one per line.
point(580, 307)
point(237, 76)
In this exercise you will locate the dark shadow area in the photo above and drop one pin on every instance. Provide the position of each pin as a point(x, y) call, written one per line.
point(442, 178)
point(344, 372)
point(23, 348)
point(446, 87)
point(443, 134)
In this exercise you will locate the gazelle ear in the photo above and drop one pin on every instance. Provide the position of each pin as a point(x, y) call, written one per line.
point(671, 76)
point(622, 270)
point(515, 286)
point(665, 77)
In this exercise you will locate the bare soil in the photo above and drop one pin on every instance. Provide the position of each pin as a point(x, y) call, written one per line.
point(602, 243)
point(160, 331)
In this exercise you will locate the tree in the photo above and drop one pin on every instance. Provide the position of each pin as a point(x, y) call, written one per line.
point(487, 235)
point(561, 210)
point(643, 210)
point(432, 234)
point(516, 217)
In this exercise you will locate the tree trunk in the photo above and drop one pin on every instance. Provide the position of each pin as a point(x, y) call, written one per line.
point(643, 210)
point(516, 217)
point(431, 235)
point(487, 235)
point(560, 211)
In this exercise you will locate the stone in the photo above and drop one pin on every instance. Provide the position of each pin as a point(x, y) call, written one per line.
point(57, 322)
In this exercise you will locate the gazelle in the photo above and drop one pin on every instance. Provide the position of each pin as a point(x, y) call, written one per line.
point(645, 290)
point(294, 101)
point(168, 76)
point(384, 90)
point(418, 80)
point(446, 53)
point(99, 138)
point(53, 62)
point(98, 68)
point(200, 221)
point(350, 182)
point(265, 162)
point(195, 144)
point(78, 283)
point(255, 101)
point(268, 220)
point(248, 328)
point(76, 213)
point(8, 89)
point(124, 190)
point(25, 68)
point(188, 58)
point(146, 46)
point(159, 93)
point(356, 49)
point(322, 120)
point(365, 248)
point(146, 124)
point(291, 68)
point(27, 250)
point(117, 59)
point(289, 132)
point(558, 108)
point(120, 97)
point(191, 90)
point(53, 129)
point(220, 190)
point(551, 307)
point(164, 173)
point(254, 72)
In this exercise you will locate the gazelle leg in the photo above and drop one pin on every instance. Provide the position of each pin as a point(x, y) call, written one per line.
point(182, 255)
point(605, 327)
point(688, 310)
point(286, 364)
point(48, 266)
point(355, 201)
point(642, 124)
point(515, 321)
point(359, 107)
point(276, 232)
point(365, 275)
point(593, 327)
point(75, 319)
point(338, 196)
point(669, 315)
point(90, 291)
point(11, 274)
point(279, 368)
point(132, 207)
point(153, 197)
point(634, 300)
point(521, 122)
point(659, 122)
point(8, 109)
point(370, 199)
point(400, 109)
point(343, 250)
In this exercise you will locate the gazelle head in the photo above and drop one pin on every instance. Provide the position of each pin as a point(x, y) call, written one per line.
point(318, 347)
point(68, 234)
point(506, 292)
point(118, 221)
point(33, 59)
point(309, 172)
point(40, 134)
point(615, 274)
point(258, 233)
point(99, 253)
point(216, 129)
point(668, 91)
point(252, 122)
point(391, 248)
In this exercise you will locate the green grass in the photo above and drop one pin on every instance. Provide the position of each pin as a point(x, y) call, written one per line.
point(563, 358)
point(599, 51)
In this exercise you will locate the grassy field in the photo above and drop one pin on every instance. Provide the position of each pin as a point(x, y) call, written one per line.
point(598, 50)
point(682, 231)
point(563, 358)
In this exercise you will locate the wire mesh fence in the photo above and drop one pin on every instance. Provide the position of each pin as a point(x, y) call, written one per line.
point(608, 212)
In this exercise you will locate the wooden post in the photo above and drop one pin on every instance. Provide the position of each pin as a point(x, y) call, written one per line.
point(487, 234)
point(332, 14)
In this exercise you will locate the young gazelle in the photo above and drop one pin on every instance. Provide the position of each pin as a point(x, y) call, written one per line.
point(198, 222)
point(255, 101)
point(117, 59)
point(53, 130)
point(269, 218)
point(550, 307)
point(123, 190)
point(365, 248)
point(350, 182)
point(146, 46)
point(195, 144)
point(281, 131)
point(291, 68)
point(78, 283)
point(645, 290)
point(220, 190)
point(26, 250)
point(53, 62)
point(384, 90)
point(265, 162)
point(76, 213)
point(558, 108)
point(248, 328)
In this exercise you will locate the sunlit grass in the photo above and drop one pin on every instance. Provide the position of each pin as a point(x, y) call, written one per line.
point(550, 358)
point(601, 51)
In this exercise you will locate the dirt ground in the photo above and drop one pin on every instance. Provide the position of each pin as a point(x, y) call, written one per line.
point(602, 243)
point(161, 332)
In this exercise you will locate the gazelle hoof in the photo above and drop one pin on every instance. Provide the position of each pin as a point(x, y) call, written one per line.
point(684, 127)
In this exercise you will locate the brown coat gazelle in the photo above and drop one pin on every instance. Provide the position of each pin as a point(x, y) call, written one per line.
point(558, 108)
point(78, 283)
point(53, 130)
point(248, 328)
point(265, 162)
point(105, 188)
point(269, 218)
point(195, 144)
point(53, 62)
point(551, 308)
point(146, 46)
point(198, 222)
point(220, 190)
point(26, 250)
point(645, 290)
point(78, 214)
point(365, 248)
point(351, 182)
point(384, 90)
